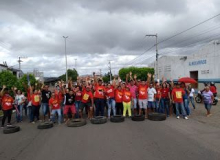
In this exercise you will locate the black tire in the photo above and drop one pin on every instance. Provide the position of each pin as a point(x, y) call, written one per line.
point(138, 118)
point(157, 116)
point(117, 119)
point(11, 129)
point(198, 99)
point(76, 123)
point(45, 125)
point(99, 120)
point(215, 102)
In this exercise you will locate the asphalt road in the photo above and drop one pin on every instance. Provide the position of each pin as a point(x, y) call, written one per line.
point(167, 140)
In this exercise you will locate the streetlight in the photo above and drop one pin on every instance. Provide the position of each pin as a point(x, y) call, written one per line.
point(156, 67)
point(66, 58)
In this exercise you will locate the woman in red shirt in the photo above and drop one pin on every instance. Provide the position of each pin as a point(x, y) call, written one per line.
point(7, 106)
point(35, 104)
point(127, 99)
point(110, 96)
point(165, 99)
point(78, 97)
point(118, 100)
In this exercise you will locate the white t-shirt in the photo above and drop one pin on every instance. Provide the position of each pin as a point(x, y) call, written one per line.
point(19, 98)
point(192, 92)
point(151, 92)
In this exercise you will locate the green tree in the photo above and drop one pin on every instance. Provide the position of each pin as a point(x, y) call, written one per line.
point(72, 73)
point(8, 79)
point(23, 81)
point(140, 72)
point(106, 77)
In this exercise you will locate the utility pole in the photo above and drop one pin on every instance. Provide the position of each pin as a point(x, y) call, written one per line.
point(19, 62)
point(156, 66)
point(66, 59)
point(110, 68)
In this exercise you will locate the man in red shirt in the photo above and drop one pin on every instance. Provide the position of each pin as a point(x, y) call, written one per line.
point(127, 99)
point(177, 97)
point(87, 102)
point(7, 106)
point(54, 104)
point(35, 104)
point(110, 96)
point(165, 99)
point(99, 96)
point(118, 100)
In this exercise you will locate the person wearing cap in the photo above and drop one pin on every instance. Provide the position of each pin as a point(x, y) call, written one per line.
point(87, 102)
point(127, 100)
point(177, 97)
point(7, 106)
point(99, 96)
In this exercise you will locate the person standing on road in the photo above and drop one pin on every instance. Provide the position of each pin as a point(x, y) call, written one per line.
point(177, 97)
point(186, 99)
point(35, 104)
point(110, 96)
point(151, 99)
point(78, 99)
point(69, 104)
point(191, 95)
point(20, 102)
point(99, 96)
point(208, 98)
point(119, 100)
point(127, 100)
point(133, 89)
point(54, 104)
point(165, 99)
point(7, 106)
point(45, 94)
point(158, 97)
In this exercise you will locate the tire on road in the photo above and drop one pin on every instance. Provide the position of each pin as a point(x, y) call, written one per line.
point(99, 120)
point(11, 129)
point(45, 125)
point(138, 118)
point(76, 123)
point(117, 119)
point(157, 116)
point(198, 99)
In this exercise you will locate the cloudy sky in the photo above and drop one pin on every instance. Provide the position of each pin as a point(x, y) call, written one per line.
point(101, 31)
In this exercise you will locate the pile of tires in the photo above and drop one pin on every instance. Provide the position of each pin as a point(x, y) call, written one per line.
point(117, 119)
point(76, 123)
point(157, 116)
point(99, 120)
point(45, 125)
point(138, 118)
point(11, 129)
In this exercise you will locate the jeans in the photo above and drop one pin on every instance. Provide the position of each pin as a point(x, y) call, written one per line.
point(99, 104)
point(157, 105)
point(186, 106)
point(6, 114)
point(127, 106)
point(77, 105)
point(134, 106)
point(208, 106)
point(180, 106)
point(164, 104)
point(111, 105)
point(20, 115)
point(53, 113)
point(192, 101)
point(34, 112)
point(45, 108)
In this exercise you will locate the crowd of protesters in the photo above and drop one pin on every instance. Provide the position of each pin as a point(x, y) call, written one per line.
point(91, 97)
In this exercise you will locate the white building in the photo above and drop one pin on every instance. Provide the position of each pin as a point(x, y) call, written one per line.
point(38, 75)
point(203, 65)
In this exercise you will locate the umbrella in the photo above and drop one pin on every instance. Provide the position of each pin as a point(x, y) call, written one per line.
point(187, 80)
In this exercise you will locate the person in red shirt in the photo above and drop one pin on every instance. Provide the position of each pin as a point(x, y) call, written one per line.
point(78, 99)
point(87, 102)
point(119, 100)
point(110, 96)
point(99, 96)
point(177, 97)
point(142, 96)
point(127, 99)
point(35, 104)
point(7, 106)
point(165, 99)
point(213, 89)
point(54, 104)
point(157, 97)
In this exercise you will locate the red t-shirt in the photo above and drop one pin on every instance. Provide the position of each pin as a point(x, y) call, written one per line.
point(78, 96)
point(142, 92)
point(35, 99)
point(55, 103)
point(127, 96)
point(165, 92)
point(213, 89)
point(158, 94)
point(110, 92)
point(86, 96)
point(99, 91)
point(7, 102)
point(178, 95)
point(28, 95)
point(118, 96)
